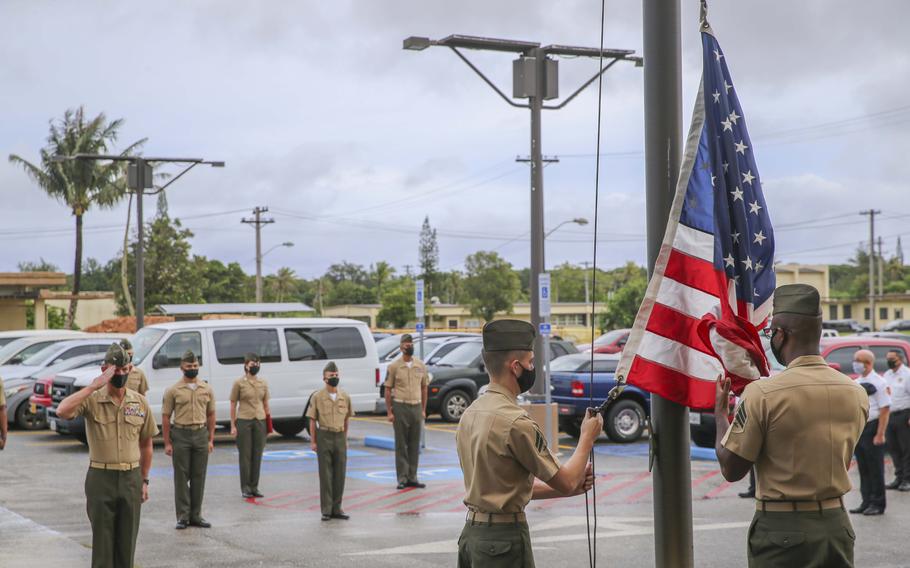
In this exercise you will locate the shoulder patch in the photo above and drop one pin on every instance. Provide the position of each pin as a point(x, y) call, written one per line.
point(739, 420)
point(540, 442)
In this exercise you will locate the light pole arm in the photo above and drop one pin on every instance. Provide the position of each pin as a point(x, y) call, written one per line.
point(582, 88)
point(173, 179)
point(487, 80)
point(553, 230)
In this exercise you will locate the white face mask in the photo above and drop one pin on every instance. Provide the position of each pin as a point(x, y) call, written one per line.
point(859, 368)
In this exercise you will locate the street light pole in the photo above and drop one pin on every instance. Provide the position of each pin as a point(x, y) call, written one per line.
point(257, 221)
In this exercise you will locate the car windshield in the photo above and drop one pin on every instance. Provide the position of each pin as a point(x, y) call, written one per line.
point(41, 357)
point(429, 345)
point(143, 342)
point(23, 351)
point(461, 356)
point(610, 337)
point(567, 364)
point(7, 340)
point(386, 345)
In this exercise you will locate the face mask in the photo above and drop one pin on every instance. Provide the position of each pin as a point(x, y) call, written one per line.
point(858, 368)
point(409, 351)
point(191, 373)
point(254, 370)
point(525, 379)
point(892, 364)
point(777, 351)
point(119, 380)
point(333, 382)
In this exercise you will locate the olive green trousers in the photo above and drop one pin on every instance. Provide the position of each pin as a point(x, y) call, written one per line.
point(191, 460)
point(807, 539)
point(497, 545)
point(250, 443)
point(113, 500)
point(332, 455)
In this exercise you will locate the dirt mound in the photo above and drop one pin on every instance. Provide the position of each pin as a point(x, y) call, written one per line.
point(125, 324)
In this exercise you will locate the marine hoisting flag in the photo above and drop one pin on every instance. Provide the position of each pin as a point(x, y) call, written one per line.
point(713, 281)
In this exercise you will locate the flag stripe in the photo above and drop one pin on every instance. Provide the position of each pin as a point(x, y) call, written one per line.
point(694, 272)
point(674, 325)
point(694, 303)
point(694, 243)
point(678, 356)
point(672, 384)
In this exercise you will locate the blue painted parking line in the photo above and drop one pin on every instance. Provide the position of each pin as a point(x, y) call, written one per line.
point(285, 455)
point(623, 450)
point(705, 454)
point(425, 474)
point(381, 442)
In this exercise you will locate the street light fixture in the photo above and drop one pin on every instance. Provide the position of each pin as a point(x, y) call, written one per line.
point(287, 244)
point(581, 221)
point(139, 178)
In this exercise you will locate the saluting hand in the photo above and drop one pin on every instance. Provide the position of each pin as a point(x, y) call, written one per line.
point(104, 378)
point(722, 397)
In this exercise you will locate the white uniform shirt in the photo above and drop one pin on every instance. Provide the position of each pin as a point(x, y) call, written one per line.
point(880, 399)
point(899, 382)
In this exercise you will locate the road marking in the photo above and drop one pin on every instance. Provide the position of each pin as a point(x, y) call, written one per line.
point(381, 498)
point(419, 496)
point(56, 443)
point(387, 423)
point(31, 433)
point(620, 486)
point(718, 490)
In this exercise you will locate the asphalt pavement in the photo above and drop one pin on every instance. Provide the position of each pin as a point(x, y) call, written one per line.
point(43, 519)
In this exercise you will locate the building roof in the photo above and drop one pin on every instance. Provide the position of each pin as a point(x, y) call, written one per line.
point(238, 308)
point(255, 322)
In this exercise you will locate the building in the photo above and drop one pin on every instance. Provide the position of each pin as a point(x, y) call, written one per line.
point(21, 292)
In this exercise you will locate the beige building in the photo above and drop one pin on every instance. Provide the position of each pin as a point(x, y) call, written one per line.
point(20, 291)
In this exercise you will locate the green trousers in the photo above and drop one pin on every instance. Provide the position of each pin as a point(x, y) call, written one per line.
point(191, 459)
point(497, 545)
point(408, 421)
point(250, 444)
point(332, 454)
point(113, 500)
point(807, 539)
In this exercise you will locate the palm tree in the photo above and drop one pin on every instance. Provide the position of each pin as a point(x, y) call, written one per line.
point(79, 183)
point(382, 273)
point(285, 282)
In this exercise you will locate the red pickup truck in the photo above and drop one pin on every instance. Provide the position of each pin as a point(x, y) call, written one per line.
point(41, 396)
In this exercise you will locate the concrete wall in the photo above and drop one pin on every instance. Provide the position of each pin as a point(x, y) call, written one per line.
point(12, 314)
point(88, 312)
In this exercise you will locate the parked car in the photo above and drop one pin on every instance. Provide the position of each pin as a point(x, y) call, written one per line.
point(830, 333)
point(17, 350)
point(610, 342)
point(895, 335)
point(57, 352)
point(21, 410)
point(897, 325)
point(456, 378)
point(9, 336)
point(293, 353)
point(387, 347)
point(570, 385)
point(845, 326)
point(377, 335)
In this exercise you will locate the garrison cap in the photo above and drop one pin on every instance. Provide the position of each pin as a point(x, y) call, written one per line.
point(189, 357)
point(508, 335)
point(116, 356)
point(407, 338)
point(797, 299)
point(330, 367)
point(125, 343)
point(251, 358)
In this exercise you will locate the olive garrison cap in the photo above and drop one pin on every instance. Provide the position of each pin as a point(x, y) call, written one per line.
point(407, 338)
point(116, 356)
point(508, 335)
point(797, 299)
point(331, 367)
point(189, 357)
point(125, 343)
point(251, 358)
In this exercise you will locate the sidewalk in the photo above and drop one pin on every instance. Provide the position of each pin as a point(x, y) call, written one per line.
point(36, 544)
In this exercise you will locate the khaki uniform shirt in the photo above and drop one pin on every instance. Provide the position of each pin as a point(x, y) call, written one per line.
point(501, 450)
point(2, 394)
point(407, 382)
point(250, 394)
point(136, 381)
point(113, 431)
point(330, 414)
point(800, 428)
point(189, 406)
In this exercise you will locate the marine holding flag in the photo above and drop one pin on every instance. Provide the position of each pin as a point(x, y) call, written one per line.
point(695, 338)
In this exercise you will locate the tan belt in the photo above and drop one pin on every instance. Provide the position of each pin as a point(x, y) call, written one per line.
point(406, 401)
point(496, 518)
point(333, 431)
point(192, 427)
point(788, 506)
point(114, 466)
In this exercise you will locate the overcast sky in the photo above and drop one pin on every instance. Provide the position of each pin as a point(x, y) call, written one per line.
point(351, 141)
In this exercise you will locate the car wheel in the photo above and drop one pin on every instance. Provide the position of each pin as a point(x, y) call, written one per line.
point(625, 421)
point(454, 404)
point(289, 428)
point(571, 427)
point(703, 439)
point(28, 421)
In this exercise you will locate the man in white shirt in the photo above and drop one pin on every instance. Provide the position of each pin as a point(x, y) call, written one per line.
point(870, 451)
point(898, 433)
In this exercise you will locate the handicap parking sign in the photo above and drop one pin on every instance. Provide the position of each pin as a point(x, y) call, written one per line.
point(420, 327)
point(545, 328)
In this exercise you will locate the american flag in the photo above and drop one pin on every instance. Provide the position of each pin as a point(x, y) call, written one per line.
point(714, 280)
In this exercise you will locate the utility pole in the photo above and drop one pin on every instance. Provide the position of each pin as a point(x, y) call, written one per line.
point(407, 270)
point(871, 213)
point(587, 266)
point(672, 474)
point(257, 221)
point(881, 269)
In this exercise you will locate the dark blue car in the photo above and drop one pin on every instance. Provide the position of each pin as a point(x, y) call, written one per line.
point(570, 378)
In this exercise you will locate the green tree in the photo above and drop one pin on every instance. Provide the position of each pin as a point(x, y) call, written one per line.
point(491, 285)
point(79, 184)
point(622, 306)
point(347, 272)
point(98, 277)
point(40, 266)
point(397, 304)
point(428, 255)
point(222, 283)
point(284, 284)
point(380, 274)
point(347, 292)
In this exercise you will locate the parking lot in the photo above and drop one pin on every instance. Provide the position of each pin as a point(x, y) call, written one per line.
point(42, 510)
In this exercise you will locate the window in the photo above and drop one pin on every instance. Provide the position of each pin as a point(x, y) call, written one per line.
point(30, 352)
point(231, 345)
point(576, 320)
point(867, 314)
point(443, 350)
point(570, 365)
point(605, 366)
point(318, 343)
point(453, 324)
point(848, 311)
point(169, 355)
point(832, 311)
point(462, 356)
point(557, 350)
point(898, 313)
point(81, 350)
point(143, 342)
point(842, 357)
point(881, 353)
point(883, 314)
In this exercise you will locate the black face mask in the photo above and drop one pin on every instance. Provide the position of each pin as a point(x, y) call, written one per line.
point(333, 382)
point(525, 379)
point(409, 351)
point(892, 364)
point(254, 370)
point(191, 373)
point(119, 380)
point(777, 351)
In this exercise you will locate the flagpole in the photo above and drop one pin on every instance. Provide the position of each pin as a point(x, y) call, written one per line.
point(663, 136)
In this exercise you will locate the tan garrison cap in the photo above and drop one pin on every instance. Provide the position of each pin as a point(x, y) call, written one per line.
point(508, 335)
point(331, 367)
point(406, 338)
point(189, 357)
point(125, 343)
point(797, 299)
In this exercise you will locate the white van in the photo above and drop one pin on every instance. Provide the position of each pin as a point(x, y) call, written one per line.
point(293, 352)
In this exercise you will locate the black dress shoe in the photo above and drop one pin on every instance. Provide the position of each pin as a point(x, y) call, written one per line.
point(341, 515)
point(247, 495)
point(859, 510)
point(416, 484)
point(894, 484)
point(747, 495)
point(326, 518)
point(402, 485)
point(257, 494)
point(904, 487)
point(201, 523)
point(871, 511)
point(181, 524)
